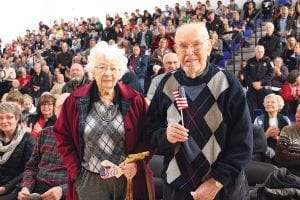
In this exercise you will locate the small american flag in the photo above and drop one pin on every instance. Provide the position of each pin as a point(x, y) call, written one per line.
point(180, 98)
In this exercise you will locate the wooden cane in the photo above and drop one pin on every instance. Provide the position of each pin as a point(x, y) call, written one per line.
point(132, 158)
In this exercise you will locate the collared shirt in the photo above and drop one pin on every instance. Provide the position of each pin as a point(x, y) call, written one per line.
point(45, 164)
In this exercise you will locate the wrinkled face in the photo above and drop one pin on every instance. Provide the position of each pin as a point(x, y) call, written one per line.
point(192, 48)
point(8, 122)
point(106, 75)
point(269, 29)
point(259, 53)
point(271, 104)
point(171, 62)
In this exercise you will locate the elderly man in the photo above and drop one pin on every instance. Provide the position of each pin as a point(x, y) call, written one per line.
point(205, 132)
point(271, 42)
point(258, 74)
point(171, 62)
point(77, 78)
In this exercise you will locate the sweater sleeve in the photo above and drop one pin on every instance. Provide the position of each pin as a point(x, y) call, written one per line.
point(239, 135)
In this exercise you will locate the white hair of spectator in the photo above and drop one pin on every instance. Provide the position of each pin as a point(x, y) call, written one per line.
point(111, 54)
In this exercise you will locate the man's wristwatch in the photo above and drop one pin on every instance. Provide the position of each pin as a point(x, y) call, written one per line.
point(219, 185)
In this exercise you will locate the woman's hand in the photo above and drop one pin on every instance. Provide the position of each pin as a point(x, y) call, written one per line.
point(23, 194)
point(37, 127)
point(129, 170)
point(272, 132)
point(54, 193)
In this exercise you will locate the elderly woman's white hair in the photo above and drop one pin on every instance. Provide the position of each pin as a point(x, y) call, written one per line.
point(278, 99)
point(104, 53)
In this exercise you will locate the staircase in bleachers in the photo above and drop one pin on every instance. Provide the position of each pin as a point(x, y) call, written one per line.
point(244, 53)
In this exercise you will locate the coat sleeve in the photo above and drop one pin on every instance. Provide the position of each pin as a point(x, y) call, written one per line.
point(64, 129)
point(238, 149)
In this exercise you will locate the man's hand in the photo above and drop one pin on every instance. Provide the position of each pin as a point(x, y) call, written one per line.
point(176, 133)
point(22, 194)
point(207, 190)
point(2, 190)
point(54, 193)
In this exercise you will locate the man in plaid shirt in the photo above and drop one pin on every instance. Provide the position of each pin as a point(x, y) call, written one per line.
point(45, 172)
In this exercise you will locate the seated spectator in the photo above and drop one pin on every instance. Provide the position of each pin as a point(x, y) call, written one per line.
point(15, 97)
point(214, 23)
point(15, 85)
point(28, 106)
point(163, 34)
point(145, 37)
point(233, 7)
point(158, 54)
point(139, 63)
point(58, 86)
point(24, 80)
point(284, 25)
point(78, 78)
point(44, 117)
point(291, 91)
point(249, 15)
point(272, 122)
point(280, 74)
point(288, 50)
point(45, 172)
point(271, 42)
point(63, 58)
point(287, 150)
point(16, 146)
point(39, 83)
point(293, 61)
point(170, 63)
point(216, 54)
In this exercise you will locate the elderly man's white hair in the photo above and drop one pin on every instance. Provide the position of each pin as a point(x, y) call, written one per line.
point(104, 53)
point(259, 47)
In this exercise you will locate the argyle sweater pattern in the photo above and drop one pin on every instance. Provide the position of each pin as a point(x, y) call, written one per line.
point(220, 135)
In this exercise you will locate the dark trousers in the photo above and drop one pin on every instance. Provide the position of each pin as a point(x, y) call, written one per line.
point(237, 189)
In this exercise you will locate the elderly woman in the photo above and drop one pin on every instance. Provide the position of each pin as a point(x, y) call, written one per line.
point(100, 121)
point(287, 150)
point(15, 149)
point(272, 122)
point(44, 116)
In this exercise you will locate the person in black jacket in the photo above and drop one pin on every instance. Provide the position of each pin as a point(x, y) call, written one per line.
point(16, 146)
point(109, 32)
point(271, 42)
point(258, 74)
point(145, 37)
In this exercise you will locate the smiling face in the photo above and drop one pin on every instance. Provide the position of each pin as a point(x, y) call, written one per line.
point(106, 75)
point(192, 47)
point(8, 122)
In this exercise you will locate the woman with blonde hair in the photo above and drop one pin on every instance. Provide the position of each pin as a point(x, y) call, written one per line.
point(272, 121)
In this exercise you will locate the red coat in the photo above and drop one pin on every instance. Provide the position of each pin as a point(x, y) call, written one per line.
point(286, 92)
point(68, 133)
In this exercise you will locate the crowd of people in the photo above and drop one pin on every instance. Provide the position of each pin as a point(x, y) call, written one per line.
point(119, 84)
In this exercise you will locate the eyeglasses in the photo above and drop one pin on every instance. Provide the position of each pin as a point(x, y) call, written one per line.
point(47, 104)
point(103, 68)
point(7, 118)
point(196, 46)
